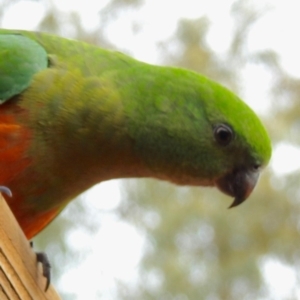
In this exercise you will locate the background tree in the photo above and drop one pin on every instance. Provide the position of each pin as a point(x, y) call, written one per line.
point(193, 247)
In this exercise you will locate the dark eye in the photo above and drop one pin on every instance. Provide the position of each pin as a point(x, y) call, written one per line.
point(223, 134)
point(256, 167)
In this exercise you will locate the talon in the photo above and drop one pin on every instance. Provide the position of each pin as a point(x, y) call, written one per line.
point(5, 190)
point(43, 259)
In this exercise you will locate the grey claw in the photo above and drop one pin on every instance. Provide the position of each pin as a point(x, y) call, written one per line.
point(5, 190)
point(43, 259)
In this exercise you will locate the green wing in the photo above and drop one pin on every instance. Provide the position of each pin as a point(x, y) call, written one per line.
point(20, 59)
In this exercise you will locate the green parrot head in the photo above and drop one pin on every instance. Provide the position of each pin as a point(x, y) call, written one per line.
point(197, 132)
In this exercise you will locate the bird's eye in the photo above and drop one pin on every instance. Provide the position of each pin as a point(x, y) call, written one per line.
point(256, 167)
point(223, 134)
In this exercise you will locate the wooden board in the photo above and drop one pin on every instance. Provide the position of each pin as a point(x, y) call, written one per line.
point(20, 275)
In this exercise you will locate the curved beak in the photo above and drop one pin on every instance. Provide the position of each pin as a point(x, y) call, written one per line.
point(238, 184)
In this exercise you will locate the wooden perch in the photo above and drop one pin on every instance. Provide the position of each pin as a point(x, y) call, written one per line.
point(20, 275)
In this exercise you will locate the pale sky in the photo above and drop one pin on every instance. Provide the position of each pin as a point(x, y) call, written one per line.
point(277, 30)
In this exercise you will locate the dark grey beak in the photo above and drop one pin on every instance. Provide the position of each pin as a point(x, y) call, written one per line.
point(238, 184)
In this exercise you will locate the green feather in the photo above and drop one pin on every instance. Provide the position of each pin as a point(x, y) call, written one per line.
point(96, 114)
point(20, 59)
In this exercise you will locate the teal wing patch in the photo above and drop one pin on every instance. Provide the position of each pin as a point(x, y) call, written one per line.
point(20, 59)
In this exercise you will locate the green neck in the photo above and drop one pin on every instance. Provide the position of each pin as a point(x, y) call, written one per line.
point(82, 131)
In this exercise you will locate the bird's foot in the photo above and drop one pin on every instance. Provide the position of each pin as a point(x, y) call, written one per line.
point(5, 190)
point(43, 259)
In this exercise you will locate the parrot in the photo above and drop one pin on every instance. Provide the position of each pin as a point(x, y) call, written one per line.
point(73, 115)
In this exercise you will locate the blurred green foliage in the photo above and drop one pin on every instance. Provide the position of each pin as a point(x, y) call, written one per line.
point(196, 248)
